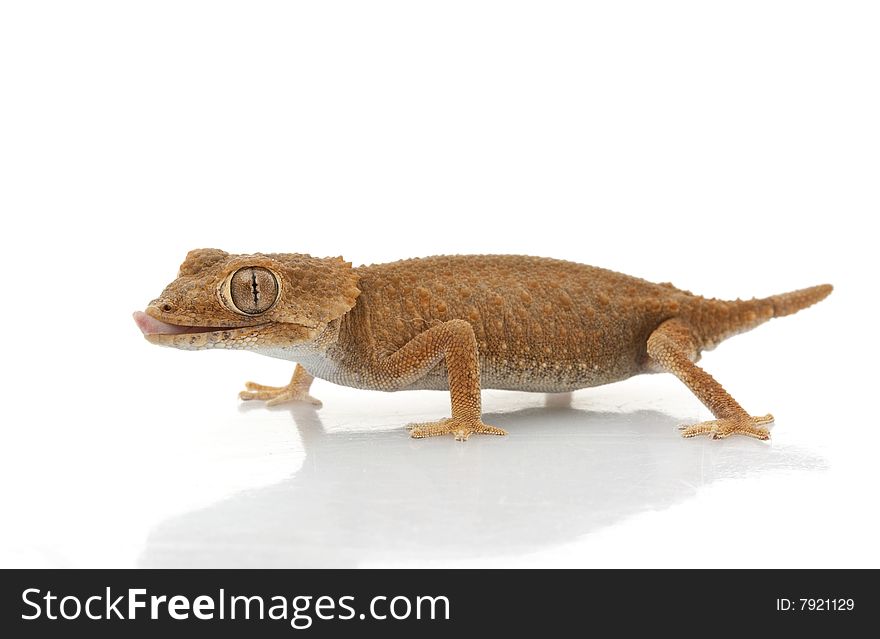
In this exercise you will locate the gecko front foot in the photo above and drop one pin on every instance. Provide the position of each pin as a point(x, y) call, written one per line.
point(459, 427)
point(721, 428)
point(275, 395)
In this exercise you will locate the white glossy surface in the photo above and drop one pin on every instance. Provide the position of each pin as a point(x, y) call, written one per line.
point(188, 479)
point(374, 496)
point(729, 149)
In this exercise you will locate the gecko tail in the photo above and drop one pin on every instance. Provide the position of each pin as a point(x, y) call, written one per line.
point(717, 320)
point(788, 303)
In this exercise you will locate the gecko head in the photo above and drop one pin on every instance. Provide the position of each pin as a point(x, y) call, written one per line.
point(251, 302)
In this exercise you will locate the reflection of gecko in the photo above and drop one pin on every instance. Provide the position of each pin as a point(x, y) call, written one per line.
point(458, 323)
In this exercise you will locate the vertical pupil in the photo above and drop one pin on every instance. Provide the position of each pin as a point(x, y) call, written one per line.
point(254, 289)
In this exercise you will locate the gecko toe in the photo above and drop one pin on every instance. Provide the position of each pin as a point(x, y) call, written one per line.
point(290, 397)
point(725, 427)
point(253, 386)
point(461, 429)
point(274, 396)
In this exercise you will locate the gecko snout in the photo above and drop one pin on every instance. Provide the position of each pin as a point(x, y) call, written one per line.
point(162, 305)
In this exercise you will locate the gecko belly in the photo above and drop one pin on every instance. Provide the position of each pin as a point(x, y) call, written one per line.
point(495, 373)
point(542, 377)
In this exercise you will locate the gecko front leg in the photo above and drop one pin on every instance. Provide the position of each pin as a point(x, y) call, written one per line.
point(296, 391)
point(674, 347)
point(452, 342)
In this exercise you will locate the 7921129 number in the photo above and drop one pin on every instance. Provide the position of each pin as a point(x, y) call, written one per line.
point(831, 605)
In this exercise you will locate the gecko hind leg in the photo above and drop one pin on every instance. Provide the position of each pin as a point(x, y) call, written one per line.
point(674, 348)
point(296, 391)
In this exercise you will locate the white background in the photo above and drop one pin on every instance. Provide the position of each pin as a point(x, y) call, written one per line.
point(731, 148)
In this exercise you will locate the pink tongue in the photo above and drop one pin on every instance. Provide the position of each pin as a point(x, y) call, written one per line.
point(152, 326)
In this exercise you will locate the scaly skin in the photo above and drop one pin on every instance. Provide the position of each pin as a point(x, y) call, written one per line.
point(457, 323)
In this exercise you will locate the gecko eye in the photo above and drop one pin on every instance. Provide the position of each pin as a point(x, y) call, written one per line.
point(253, 290)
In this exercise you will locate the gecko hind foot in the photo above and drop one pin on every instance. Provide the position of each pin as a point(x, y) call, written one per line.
point(460, 428)
point(721, 428)
point(275, 395)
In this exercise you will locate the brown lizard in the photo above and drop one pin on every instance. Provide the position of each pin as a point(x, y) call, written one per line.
point(457, 323)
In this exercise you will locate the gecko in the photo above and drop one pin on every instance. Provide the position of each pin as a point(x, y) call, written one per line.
point(458, 323)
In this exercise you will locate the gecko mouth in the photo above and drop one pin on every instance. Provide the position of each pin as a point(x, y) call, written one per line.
point(194, 338)
point(151, 326)
point(191, 338)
